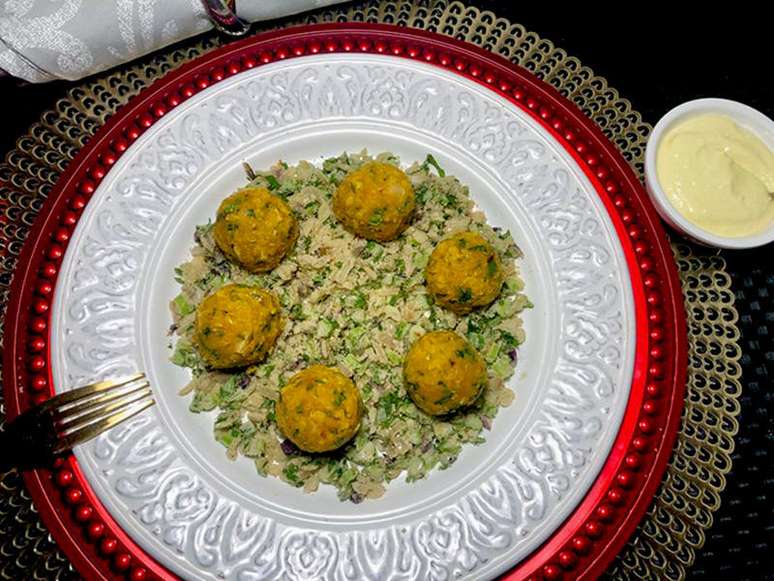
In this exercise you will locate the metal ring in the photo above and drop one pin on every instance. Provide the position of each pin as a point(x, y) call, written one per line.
point(223, 16)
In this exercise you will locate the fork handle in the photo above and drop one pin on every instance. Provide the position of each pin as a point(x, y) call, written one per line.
point(27, 442)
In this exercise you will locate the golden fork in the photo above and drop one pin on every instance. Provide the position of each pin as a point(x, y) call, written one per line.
point(35, 437)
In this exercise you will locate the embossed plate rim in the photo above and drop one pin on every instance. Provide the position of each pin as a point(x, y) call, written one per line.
point(603, 529)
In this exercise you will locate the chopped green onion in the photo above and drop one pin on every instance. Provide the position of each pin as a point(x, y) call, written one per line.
point(513, 284)
point(432, 161)
point(354, 335)
point(272, 181)
point(393, 357)
point(326, 327)
point(503, 367)
point(182, 305)
point(248, 171)
point(351, 361)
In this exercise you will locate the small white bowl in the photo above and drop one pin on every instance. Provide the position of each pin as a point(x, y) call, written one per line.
point(742, 115)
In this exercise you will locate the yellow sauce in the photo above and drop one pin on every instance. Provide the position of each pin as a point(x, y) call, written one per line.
point(718, 175)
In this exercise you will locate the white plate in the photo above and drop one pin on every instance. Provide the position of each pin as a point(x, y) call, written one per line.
point(165, 479)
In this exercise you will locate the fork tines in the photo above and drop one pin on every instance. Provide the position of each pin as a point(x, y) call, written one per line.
point(85, 412)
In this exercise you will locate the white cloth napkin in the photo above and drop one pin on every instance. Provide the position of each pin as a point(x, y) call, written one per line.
point(43, 40)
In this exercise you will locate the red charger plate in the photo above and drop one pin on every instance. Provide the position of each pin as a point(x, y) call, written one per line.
point(585, 544)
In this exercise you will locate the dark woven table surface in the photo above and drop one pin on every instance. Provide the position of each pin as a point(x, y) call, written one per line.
point(656, 61)
point(740, 542)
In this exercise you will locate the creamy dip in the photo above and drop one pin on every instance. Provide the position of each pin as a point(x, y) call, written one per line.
point(718, 175)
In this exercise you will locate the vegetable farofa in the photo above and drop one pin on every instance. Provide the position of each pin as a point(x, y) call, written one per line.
point(357, 305)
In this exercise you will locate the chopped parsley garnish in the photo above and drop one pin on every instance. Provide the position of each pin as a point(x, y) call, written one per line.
point(297, 312)
point(491, 267)
point(269, 404)
point(399, 296)
point(389, 404)
point(509, 340)
point(420, 194)
point(449, 201)
point(360, 301)
point(377, 217)
point(464, 295)
point(320, 276)
point(373, 250)
point(291, 473)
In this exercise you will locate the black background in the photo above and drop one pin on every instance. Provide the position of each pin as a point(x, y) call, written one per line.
point(657, 59)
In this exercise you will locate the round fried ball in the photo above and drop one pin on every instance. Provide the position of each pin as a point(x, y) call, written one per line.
point(319, 409)
point(255, 229)
point(443, 372)
point(237, 325)
point(464, 272)
point(375, 201)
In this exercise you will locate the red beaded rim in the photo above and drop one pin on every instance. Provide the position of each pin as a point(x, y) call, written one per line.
point(600, 525)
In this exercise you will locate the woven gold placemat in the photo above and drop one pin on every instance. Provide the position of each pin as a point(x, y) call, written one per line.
point(664, 545)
